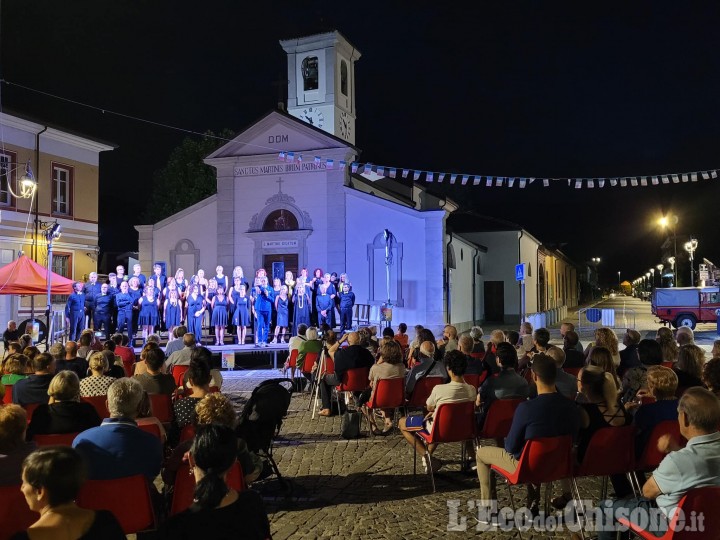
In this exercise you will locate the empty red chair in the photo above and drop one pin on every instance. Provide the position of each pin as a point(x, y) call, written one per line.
point(700, 501)
point(499, 419)
point(161, 405)
point(15, 515)
point(542, 460)
point(100, 404)
point(422, 390)
point(292, 362)
point(473, 379)
point(184, 487)
point(388, 394)
point(452, 422)
point(55, 439)
point(127, 498)
point(7, 398)
point(178, 373)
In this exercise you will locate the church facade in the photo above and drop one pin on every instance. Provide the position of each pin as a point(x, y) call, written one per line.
point(287, 199)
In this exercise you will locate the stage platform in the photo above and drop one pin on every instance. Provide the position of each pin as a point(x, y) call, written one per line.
point(245, 357)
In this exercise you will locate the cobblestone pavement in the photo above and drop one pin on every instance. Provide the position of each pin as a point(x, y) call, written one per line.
point(365, 488)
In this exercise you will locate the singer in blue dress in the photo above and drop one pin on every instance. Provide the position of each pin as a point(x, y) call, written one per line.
point(173, 310)
point(219, 317)
point(240, 306)
point(195, 312)
point(301, 304)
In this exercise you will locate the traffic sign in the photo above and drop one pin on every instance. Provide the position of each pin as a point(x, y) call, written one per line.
point(519, 272)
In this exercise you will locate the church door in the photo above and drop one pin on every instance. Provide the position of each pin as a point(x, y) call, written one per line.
point(276, 264)
point(494, 301)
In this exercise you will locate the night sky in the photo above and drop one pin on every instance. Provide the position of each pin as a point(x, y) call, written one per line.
point(514, 89)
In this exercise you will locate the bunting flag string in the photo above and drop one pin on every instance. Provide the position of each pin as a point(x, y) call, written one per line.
point(490, 181)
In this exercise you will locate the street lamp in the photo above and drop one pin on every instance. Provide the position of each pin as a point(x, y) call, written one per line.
point(671, 260)
point(619, 283)
point(660, 269)
point(671, 222)
point(52, 233)
point(690, 247)
point(652, 277)
point(27, 183)
point(647, 280)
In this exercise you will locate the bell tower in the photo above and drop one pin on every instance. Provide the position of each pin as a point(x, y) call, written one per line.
point(321, 75)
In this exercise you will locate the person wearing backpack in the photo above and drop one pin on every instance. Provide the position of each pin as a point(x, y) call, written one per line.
point(352, 356)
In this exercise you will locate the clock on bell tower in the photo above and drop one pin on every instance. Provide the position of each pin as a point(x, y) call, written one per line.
point(321, 88)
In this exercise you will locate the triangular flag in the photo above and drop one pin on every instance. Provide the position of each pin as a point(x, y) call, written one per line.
point(330, 163)
point(546, 182)
point(317, 159)
point(393, 172)
point(405, 173)
point(511, 181)
point(464, 180)
point(693, 177)
point(569, 182)
point(643, 181)
point(381, 170)
point(441, 176)
point(633, 182)
point(665, 179)
point(623, 182)
point(416, 175)
point(613, 182)
point(601, 182)
point(530, 181)
point(453, 177)
point(713, 174)
point(705, 175)
point(654, 180)
point(430, 176)
point(476, 180)
point(368, 168)
point(281, 156)
point(342, 164)
point(291, 156)
point(675, 179)
point(578, 184)
point(354, 167)
point(499, 181)
point(591, 183)
point(299, 158)
point(522, 183)
point(488, 181)
point(685, 178)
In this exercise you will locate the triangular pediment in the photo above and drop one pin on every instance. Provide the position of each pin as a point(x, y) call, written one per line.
point(277, 132)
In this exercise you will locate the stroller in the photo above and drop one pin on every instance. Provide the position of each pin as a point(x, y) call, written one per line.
point(262, 417)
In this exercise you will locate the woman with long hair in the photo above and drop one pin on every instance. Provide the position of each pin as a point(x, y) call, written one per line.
point(218, 511)
point(667, 342)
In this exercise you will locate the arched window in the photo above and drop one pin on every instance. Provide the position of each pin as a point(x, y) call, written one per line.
point(280, 220)
point(343, 77)
point(310, 73)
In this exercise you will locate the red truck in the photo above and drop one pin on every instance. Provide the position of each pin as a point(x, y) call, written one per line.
point(686, 306)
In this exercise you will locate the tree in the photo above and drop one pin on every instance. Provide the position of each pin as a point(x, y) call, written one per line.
point(185, 180)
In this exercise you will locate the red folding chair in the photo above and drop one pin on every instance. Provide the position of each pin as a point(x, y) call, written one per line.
point(152, 429)
point(55, 439)
point(7, 398)
point(30, 409)
point(100, 404)
point(452, 422)
point(421, 391)
point(292, 362)
point(668, 364)
point(184, 487)
point(353, 380)
point(499, 419)
point(700, 501)
point(161, 405)
point(15, 515)
point(127, 498)
point(651, 456)
point(473, 379)
point(477, 355)
point(187, 432)
point(178, 373)
point(574, 371)
point(388, 394)
point(542, 460)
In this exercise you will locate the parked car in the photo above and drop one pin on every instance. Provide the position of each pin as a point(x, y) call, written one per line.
point(686, 306)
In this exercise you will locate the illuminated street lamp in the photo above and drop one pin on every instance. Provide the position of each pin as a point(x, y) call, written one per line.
point(660, 269)
point(671, 222)
point(652, 276)
point(647, 280)
point(690, 247)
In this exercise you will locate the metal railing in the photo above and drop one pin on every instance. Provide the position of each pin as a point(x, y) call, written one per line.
point(591, 318)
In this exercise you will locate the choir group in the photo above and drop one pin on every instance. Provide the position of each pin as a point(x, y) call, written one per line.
point(126, 303)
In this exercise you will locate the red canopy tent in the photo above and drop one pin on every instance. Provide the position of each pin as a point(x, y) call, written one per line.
point(25, 276)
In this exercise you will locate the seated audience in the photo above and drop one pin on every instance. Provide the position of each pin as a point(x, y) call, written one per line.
point(176, 343)
point(68, 359)
point(218, 511)
point(427, 366)
point(388, 366)
point(115, 365)
point(401, 337)
point(34, 389)
point(476, 333)
point(31, 351)
point(602, 357)
point(312, 344)
point(605, 337)
point(667, 342)
point(629, 357)
point(689, 366)
point(574, 358)
point(506, 383)
point(541, 341)
point(15, 368)
point(570, 327)
point(13, 447)
point(415, 343)
point(181, 357)
point(140, 367)
point(711, 375)
point(352, 356)
point(127, 354)
point(548, 415)
point(51, 482)
point(424, 335)
point(449, 341)
point(153, 380)
point(496, 337)
point(684, 336)
point(203, 354)
point(64, 412)
point(475, 365)
point(661, 386)
point(98, 382)
point(85, 342)
point(198, 384)
point(11, 333)
point(715, 352)
point(565, 383)
point(698, 464)
point(118, 447)
point(457, 390)
point(650, 354)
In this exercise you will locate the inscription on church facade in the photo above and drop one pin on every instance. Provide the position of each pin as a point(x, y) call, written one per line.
point(278, 168)
point(273, 244)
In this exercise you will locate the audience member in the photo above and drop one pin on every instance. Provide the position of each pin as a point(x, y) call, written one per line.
point(181, 357)
point(116, 369)
point(689, 366)
point(98, 382)
point(218, 511)
point(574, 358)
point(457, 390)
point(565, 383)
point(449, 341)
point(388, 366)
point(401, 337)
point(51, 482)
point(570, 327)
point(662, 385)
point(140, 367)
point(11, 333)
point(312, 344)
point(548, 415)
point(650, 354)
point(118, 447)
point(475, 365)
point(414, 355)
point(15, 368)
point(711, 375)
point(427, 366)
point(13, 447)
point(629, 357)
point(667, 342)
point(684, 336)
point(198, 383)
point(507, 383)
point(85, 341)
point(68, 359)
point(605, 337)
point(34, 389)
point(476, 333)
point(203, 354)
point(154, 381)
point(176, 343)
point(602, 357)
point(64, 412)
point(127, 354)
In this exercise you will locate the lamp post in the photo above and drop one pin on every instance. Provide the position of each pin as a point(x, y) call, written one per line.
point(647, 280)
point(619, 283)
point(595, 261)
point(660, 269)
point(52, 233)
point(652, 277)
point(671, 260)
point(690, 247)
point(672, 222)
